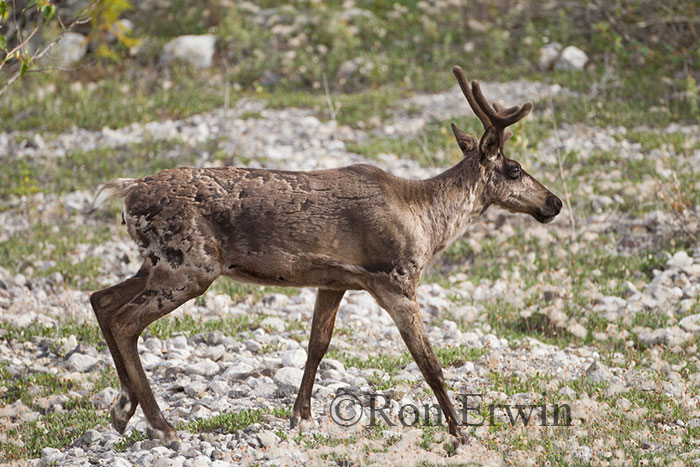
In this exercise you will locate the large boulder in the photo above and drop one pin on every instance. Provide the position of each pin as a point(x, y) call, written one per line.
point(549, 55)
point(196, 50)
point(572, 58)
point(70, 49)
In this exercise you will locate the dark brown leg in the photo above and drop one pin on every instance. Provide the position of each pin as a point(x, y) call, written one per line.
point(166, 290)
point(325, 310)
point(105, 304)
point(406, 315)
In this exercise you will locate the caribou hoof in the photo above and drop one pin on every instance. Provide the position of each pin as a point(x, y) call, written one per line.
point(169, 438)
point(304, 424)
point(460, 438)
point(121, 412)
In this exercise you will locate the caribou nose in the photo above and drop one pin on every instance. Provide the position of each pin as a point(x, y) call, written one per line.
point(554, 204)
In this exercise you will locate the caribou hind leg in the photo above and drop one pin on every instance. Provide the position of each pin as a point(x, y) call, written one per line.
point(105, 303)
point(165, 290)
point(325, 310)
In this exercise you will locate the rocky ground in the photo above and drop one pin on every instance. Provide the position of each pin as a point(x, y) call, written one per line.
point(601, 315)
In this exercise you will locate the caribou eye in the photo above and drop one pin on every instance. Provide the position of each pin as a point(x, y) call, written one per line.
point(514, 172)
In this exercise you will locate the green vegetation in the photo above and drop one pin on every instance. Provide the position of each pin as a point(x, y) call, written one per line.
point(58, 175)
point(55, 247)
point(88, 334)
point(387, 363)
point(434, 147)
point(168, 327)
point(134, 436)
point(240, 291)
point(230, 422)
point(57, 429)
point(643, 76)
point(598, 261)
point(400, 48)
point(457, 355)
point(392, 364)
point(55, 103)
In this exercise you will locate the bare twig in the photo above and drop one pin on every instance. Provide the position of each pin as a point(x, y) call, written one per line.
point(329, 101)
point(227, 84)
point(18, 30)
point(668, 20)
point(9, 54)
point(423, 144)
point(60, 68)
point(601, 84)
point(679, 205)
point(9, 82)
point(567, 197)
point(60, 22)
point(40, 53)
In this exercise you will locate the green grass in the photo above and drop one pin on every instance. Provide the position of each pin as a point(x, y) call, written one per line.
point(602, 265)
point(434, 145)
point(168, 327)
point(118, 98)
point(380, 384)
point(612, 112)
point(231, 422)
point(610, 424)
point(597, 261)
point(418, 57)
point(125, 442)
point(390, 364)
point(28, 386)
point(85, 333)
point(58, 175)
point(457, 355)
point(55, 245)
point(650, 140)
point(54, 429)
point(436, 435)
point(318, 439)
point(512, 384)
point(239, 290)
point(354, 109)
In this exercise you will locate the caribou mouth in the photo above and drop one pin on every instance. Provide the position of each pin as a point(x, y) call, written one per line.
point(544, 219)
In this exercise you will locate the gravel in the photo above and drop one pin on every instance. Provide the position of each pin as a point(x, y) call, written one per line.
point(213, 373)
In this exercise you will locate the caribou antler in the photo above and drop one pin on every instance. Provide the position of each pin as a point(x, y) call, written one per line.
point(496, 116)
point(464, 84)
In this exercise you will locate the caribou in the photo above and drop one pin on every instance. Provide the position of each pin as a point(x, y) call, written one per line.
point(350, 228)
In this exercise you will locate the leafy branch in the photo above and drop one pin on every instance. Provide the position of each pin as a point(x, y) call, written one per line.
point(47, 12)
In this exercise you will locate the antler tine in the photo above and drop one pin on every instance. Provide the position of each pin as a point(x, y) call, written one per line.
point(500, 120)
point(518, 115)
point(464, 85)
point(502, 110)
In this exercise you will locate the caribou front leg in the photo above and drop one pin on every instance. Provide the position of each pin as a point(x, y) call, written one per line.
point(405, 313)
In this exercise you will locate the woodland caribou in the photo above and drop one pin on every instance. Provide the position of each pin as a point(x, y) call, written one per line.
point(352, 228)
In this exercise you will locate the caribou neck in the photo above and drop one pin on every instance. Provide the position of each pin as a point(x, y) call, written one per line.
point(452, 200)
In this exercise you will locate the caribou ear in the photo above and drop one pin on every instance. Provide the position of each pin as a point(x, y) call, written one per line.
point(465, 141)
point(489, 144)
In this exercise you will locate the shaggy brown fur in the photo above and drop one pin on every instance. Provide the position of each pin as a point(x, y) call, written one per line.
point(356, 227)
